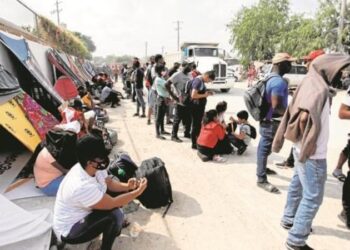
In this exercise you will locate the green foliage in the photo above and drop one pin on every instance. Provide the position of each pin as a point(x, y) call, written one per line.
point(87, 40)
point(62, 39)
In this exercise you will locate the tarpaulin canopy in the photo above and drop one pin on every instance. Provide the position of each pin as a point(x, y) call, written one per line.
point(20, 49)
point(9, 86)
point(66, 88)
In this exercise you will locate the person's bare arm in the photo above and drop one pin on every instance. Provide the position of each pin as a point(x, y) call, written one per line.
point(239, 136)
point(344, 112)
point(116, 186)
point(168, 88)
point(196, 95)
point(108, 202)
point(277, 105)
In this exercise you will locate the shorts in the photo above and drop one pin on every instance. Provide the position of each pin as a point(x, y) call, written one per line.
point(152, 98)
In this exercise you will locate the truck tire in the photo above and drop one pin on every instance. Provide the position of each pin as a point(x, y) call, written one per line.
point(225, 90)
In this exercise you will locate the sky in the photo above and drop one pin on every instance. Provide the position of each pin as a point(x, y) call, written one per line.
point(123, 27)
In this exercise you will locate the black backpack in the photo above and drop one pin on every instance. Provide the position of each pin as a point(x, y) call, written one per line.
point(186, 93)
point(255, 100)
point(158, 192)
point(123, 167)
point(62, 146)
point(253, 133)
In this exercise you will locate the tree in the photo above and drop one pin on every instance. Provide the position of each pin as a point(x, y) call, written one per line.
point(87, 40)
point(255, 31)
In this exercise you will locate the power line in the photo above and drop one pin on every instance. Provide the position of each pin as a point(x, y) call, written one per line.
point(57, 11)
point(178, 28)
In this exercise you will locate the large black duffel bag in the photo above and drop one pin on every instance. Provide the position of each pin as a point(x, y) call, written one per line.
point(158, 192)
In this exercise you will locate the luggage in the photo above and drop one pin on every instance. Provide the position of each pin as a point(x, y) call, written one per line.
point(158, 192)
point(113, 135)
point(61, 145)
point(123, 167)
point(255, 100)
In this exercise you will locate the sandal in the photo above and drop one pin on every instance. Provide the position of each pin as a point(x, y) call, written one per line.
point(125, 224)
point(268, 187)
point(340, 176)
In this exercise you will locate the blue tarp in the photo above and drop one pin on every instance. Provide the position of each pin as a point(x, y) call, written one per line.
point(18, 46)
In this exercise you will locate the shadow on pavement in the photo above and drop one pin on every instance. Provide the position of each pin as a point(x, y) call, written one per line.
point(184, 206)
point(324, 231)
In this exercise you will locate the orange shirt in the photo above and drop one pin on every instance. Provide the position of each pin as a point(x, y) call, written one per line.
point(210, 134)
point(44, 171)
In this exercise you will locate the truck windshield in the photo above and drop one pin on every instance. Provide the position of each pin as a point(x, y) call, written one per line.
point(206, 52)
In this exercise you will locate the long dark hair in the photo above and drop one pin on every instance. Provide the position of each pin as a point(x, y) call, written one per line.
point(209, 116)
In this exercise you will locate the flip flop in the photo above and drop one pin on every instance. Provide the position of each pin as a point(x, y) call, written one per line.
point(268, 187)
point(341, 177)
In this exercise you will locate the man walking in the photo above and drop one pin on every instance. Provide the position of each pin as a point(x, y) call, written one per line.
point(276, 95)
point(139, 90)
point(306, 123)
point(182, 110)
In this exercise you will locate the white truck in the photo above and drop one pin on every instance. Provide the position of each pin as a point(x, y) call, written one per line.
point(206, 57)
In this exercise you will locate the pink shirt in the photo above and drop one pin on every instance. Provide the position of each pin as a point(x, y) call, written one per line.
point(44, 171)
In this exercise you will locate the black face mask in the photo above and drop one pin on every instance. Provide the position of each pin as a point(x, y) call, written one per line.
point(102, 165)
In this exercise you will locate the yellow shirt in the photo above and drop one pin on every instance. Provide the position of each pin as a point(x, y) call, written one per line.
point(87, 101)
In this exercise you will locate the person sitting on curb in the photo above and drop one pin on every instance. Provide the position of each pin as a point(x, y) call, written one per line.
point(83, 209)
point(241, 139)
point(212, 140)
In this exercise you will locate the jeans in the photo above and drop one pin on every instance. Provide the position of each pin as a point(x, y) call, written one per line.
point(52, 188)
point(109, 223)
point(221, 148)
point(182, 113)
point(305, 195)
point(140, 101)
point(197, 113)
point(267, 133)
point(160, 114)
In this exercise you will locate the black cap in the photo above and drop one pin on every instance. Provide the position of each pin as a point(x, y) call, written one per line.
point(91, 147)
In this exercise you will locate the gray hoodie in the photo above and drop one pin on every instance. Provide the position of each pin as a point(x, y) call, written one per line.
point(311, 96)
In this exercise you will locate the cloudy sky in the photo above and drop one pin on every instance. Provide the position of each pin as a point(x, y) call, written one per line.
point(123, 26)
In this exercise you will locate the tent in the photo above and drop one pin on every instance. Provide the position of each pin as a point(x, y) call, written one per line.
point(65, 88)
point(20, 115)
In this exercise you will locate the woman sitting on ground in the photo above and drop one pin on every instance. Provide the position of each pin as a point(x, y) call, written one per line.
point(83, 209)
point(212, 140)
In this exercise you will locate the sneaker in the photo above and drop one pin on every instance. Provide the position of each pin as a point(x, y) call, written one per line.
point(143, 116)
point(176, 139)
point(219, 158)
point(165, 133)
point(241, 150)
point(161, 137)
point(285, 164)
point(293, 247)
point(342, 217)
point(270, 171)
point(187, 136)
point(136, 114)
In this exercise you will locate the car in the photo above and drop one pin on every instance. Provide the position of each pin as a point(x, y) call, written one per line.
point(295, 76)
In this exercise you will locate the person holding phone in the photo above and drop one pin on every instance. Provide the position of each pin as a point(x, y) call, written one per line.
point(83, 208)
point(199, 94)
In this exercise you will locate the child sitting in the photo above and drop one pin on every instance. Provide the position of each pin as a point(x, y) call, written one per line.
point(242, 137)
point(212, 140)
point(221, 108)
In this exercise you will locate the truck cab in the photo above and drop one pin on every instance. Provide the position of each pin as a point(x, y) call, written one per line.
point(206, 57)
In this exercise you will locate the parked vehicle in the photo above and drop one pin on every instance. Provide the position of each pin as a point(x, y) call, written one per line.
point(295, 76)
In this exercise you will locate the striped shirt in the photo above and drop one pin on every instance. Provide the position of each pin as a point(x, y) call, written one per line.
point(76, 194)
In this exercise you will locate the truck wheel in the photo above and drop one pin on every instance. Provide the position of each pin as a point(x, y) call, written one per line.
point(225, 90)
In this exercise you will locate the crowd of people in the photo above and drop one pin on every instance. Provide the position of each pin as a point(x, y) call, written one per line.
point(88, 202)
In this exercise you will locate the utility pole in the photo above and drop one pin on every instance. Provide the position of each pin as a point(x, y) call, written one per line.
point(178, 28)
point(146, 49)
point(57, 11)
point(341, 25)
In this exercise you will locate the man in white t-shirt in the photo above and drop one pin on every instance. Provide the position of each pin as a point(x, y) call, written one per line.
point(306, 123)
point(344, 113)
point(83, 210)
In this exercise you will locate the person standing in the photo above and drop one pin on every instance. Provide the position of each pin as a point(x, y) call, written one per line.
point(199, 94)
point(306, 123)
point(344, 113)
point(179, 81)
point(276, 95)
point(161, 103)
point(139, 90)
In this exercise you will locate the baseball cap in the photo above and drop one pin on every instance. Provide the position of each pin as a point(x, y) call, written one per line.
point(282, 57)
point(314, 54)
